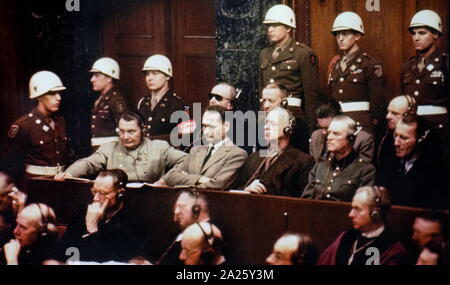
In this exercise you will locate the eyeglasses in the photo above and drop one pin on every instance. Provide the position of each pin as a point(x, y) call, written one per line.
point(216, 96)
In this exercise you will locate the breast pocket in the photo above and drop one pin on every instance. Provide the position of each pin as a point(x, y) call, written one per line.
point(435, 81)
point(288, 66)
point(356, 78)
point(346, 190)
point(104, 113)
point(40, 140)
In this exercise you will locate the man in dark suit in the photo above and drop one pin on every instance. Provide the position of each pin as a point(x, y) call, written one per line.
point(418, 180)
point(281, 169)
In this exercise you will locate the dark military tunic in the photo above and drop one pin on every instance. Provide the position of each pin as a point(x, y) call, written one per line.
point(105, 114)
point(157, 121)
point(297, 68)
point(33, 141)
point(362, 81)
point(338, 180)
point(429, 87)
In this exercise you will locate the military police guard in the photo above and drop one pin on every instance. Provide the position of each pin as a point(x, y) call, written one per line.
point(157, 107)
point(39, 138)
point(425, 76)
point(109, 105)
point(290, 63)
point(355, 79)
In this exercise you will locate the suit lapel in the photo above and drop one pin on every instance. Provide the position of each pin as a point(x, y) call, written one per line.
point(217, 155)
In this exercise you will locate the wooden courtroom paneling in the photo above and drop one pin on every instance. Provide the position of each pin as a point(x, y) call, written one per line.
point(250, 223)
point(386, 38)
point(132, 31)
point(194, 48)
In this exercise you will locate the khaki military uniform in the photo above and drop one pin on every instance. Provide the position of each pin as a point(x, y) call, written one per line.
point(157, 121)
point(104, 116)
point(339, 180)
point(148, 162)
point(362, 85)
point(32, 140)
point(297, 68)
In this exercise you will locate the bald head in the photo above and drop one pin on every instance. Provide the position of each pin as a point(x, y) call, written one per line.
point(227, 92)
point(397, 109)
point(198, 238)
point(34, 214)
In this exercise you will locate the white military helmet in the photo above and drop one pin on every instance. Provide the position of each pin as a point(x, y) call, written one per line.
point(107, 66)
point(348, 21)
point(158, 62)
point(43, 82)
point(426, 18)
point(281, 14)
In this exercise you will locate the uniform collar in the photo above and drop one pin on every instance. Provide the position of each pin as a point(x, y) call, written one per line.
point(374, 233)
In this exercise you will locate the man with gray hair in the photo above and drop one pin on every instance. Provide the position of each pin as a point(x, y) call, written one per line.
point(370, 241)
point(281, 169)
point(337, 178)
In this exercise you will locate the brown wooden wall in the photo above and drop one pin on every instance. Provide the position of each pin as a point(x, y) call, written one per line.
point(184, 31)
point(386, 37)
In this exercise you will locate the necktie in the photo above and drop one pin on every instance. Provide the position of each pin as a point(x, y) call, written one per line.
point(154, 102)
point(208, 155)
point(343, 63)
point(421, 64)
point(276, 52)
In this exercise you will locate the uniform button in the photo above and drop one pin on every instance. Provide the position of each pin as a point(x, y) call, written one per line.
point(274, 68)
point(328, 195)
point(341, 91)
point(120, 165)
point(331, 180)
point(163, 120)
point(434, 82)
point(328, 188)
point(147, 104)
point(440, 126)
point(349, 182)
point(57, 152)
point(38, 121)
point(317, 180)
point(93, 117)
point(30, 115)
point(342, 79)
point(150, 119)
point(93, 126)
point(436, 59)
point(56, 140)
point(289, 67)
point(337, 168)
point(418, 81)
point(355, 80)
point(272, 80)
point(416, 93)
point(41, 142)
point(334, 174)
point(149, 127)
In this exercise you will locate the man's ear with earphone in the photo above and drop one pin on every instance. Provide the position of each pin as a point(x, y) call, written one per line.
point(49, 227)
point(352, 137)
point(289, 129)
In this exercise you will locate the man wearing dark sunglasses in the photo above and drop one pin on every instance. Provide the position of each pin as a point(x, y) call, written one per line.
point(222, 94)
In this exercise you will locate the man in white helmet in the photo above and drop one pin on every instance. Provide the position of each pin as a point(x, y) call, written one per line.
point(355, 79)
point(157, 107)
point(38, 139)
point(291, 64)
point(425, 76)
point(109, 105)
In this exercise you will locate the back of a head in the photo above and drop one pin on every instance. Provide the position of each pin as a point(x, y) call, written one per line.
point(329, 109)
point(306, 253)
point(120, 178)
point(439, 247)
point(437, 217)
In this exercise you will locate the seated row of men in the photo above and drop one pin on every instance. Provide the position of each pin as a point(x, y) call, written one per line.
point(339, 161)
point(106, 230)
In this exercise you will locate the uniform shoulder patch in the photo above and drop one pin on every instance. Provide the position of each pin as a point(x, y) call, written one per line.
point(378, 71)
point(119, 106)
point(13, 130)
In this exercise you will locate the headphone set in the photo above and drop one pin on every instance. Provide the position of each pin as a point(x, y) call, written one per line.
point(134, 117)
point(375, 214)
point(196, 208)
point(412, 105)
point(213, 245)
point(49, 227)
point(289, 129)
point(352, 137)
